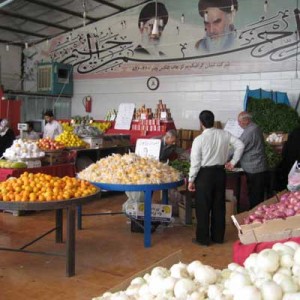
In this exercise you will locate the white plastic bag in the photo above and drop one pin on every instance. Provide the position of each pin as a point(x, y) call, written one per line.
point(294, 177)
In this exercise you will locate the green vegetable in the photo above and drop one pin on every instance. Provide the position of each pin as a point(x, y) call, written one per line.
point(182, 166)
point(272, 117)
point(273, 157)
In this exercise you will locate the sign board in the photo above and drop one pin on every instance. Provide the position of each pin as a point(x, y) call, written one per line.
point(148, 148)
point(22, 126)
point(163, 115)
point(234, 128)
point(124, 116)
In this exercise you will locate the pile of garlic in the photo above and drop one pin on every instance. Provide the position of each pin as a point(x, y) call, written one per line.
point(22, 149)
point(272, 274)
point(129, 169)
point(275, 138)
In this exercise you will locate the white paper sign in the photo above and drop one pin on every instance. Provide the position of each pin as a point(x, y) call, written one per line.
point(124, 116)
point(163, 115)
point(234, 128)
point(148, 148)
point(143, 116)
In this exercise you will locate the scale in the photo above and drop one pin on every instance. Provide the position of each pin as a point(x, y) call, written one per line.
point(22, 127)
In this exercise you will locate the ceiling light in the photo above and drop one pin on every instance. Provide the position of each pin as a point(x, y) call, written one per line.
point(4, 3)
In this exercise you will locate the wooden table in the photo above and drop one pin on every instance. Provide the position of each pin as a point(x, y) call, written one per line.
point(57, 206)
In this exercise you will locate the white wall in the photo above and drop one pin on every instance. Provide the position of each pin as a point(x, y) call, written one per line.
point(186, 96)
point(10, 67)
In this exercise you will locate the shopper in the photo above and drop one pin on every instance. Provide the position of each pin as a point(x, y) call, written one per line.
point(207, 177)
point(7, 136)
point(253, 160)
point(52, 127)
point(290, 154)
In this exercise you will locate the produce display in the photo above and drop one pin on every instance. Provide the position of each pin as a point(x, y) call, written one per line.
point(271, 116)
point(70, 139)
point(42, 187)
point(47, 144)
point(87, 131)
point(102, 126)
point(129, 169)
point(272, 274)
point(12, 164)
point(289, 205)
point(182, 166)
point(275, 138)
point(21, 149)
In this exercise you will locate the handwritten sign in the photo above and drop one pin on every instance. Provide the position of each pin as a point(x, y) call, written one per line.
point(148, 148)
point(124, 116)
point(234, 128)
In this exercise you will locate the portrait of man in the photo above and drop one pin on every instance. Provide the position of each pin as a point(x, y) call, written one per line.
point(152, 15)
point(218, 23)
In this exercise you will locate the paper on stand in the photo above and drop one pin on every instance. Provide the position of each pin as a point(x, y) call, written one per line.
point(233, 127)
point(148, 148)
point(124, 116)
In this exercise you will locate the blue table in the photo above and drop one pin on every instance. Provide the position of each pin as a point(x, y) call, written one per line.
point(148, 189)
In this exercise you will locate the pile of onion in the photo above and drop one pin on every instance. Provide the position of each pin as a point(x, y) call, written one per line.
point(289, 205)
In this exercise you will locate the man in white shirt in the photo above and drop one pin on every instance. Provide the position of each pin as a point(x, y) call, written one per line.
point(207, 177)
point(52, 127)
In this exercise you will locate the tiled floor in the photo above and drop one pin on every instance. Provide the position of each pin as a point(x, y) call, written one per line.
point(107, 253)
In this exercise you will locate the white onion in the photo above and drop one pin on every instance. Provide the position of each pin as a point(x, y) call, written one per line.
point(291, 296)
point(248, 292)
point(192, 266)
point(205, 275)
point(268, 260)
point(297, 256)
point(183, 287)
point(287, 260)
point(179, 270)
point(270, 290)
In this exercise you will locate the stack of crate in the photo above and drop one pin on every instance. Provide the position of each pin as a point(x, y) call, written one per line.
point(186, 136)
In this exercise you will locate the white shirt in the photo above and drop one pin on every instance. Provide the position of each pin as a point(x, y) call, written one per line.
point(212, 148)
point(52, 129)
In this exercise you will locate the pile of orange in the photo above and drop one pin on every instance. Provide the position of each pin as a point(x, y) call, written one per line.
point(31, 187)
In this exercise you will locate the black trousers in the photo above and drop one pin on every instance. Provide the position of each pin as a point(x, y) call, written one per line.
point(256, 184)
point(210, 204)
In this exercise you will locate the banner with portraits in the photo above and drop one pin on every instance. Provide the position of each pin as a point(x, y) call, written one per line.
point(174, 37)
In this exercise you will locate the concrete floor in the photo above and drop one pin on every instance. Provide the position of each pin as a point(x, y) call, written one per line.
point(107, 253)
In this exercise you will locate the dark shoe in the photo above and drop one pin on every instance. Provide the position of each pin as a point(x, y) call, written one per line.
point(195, 241)
point(217, 242)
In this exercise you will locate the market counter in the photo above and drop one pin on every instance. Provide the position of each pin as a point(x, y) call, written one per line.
point(61, 170)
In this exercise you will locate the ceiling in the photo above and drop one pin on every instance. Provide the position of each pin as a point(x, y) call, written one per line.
point(26, 22)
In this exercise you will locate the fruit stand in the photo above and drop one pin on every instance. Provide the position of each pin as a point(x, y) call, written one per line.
point(148, 189)
point(18, 194)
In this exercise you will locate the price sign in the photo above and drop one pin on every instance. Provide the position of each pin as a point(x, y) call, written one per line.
point(234, 128)
point(22, 126)
point(143, 116)
point(163, 115)
point(148, 148)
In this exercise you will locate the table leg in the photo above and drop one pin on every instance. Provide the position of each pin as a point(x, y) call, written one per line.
point(59, 226)
point(70, 243)
point(165, 197)
point(79, 217)
point(147, 218)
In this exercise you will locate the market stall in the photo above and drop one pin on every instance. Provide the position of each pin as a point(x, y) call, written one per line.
point(20, 198)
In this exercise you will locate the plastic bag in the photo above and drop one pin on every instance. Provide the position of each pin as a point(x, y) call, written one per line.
point(133, 197)
point(294, 177)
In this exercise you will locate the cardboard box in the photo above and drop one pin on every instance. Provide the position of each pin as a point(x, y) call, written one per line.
point(272, 230)
point(166, 262)
point(93, 142)
point(160, 212)
point(230, 209)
